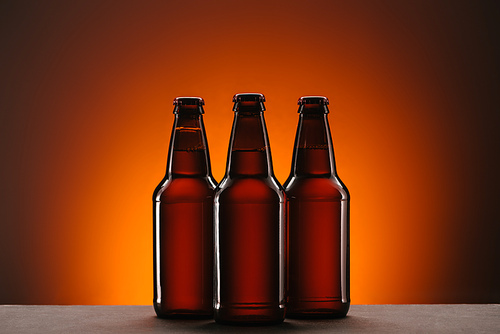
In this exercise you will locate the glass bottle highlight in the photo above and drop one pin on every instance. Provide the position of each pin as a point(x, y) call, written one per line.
point(183, 220)
point(318, 220)
point(249, 225)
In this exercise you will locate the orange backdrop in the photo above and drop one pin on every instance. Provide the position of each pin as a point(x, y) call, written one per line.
point(86, 114)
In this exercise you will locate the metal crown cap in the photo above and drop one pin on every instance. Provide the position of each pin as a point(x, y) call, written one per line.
point(188, 101)
point(321, 100)
point(249, 97)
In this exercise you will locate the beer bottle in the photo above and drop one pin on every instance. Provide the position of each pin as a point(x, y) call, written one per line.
point(183, 220)
point(318, 220)
point(249, 225)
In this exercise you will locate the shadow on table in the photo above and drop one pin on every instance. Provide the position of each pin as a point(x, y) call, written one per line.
point(350, 323)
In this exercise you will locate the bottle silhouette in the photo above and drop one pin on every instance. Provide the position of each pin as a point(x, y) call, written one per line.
point(249, 225)
point(318, 220)
point(183, 220)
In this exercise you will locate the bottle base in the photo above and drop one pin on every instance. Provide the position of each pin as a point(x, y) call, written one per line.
point(249, 315)
point(187, 316)
point(315, 310)
point(183, 313)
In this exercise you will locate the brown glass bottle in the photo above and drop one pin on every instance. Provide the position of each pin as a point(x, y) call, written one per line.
point(183, 220)
point(318, 220)
point(249, 225)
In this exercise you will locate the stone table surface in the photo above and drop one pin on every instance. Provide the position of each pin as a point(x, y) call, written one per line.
point(450, 318)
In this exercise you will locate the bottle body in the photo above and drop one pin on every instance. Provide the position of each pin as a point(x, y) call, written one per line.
point(318, 252)
point(318, 222)
point(183, 250)
point(249, 229)
point(183, 222)
point(249, 241)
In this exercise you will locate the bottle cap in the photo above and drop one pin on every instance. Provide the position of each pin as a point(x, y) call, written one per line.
point(249, 97)
point(188, 101)
point(321, 100)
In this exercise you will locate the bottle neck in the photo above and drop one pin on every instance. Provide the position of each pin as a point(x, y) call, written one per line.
point(313, 153)
point(249, 153)
point(188, 152)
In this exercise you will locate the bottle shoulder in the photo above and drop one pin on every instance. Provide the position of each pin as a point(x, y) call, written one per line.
point(181, 189)
point(250, 189)
point(316, 187)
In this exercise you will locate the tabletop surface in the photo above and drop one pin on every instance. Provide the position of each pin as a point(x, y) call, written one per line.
point(460, 318)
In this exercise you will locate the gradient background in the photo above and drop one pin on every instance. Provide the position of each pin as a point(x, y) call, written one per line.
point(86, 113)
